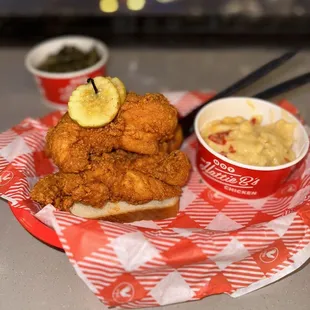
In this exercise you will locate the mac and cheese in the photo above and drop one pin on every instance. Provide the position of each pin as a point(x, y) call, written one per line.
point(248, 142)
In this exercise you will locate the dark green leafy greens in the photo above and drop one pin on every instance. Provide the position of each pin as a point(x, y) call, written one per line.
point(69, 59)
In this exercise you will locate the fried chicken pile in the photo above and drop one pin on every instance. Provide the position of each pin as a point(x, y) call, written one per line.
point(117, 176)
point(143, 125)
point(135, 158)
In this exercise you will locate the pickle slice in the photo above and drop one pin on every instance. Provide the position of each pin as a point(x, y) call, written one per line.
point(94, 104)
point(120, 87)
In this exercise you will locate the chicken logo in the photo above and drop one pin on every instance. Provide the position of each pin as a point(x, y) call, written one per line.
point(123, 292)
point(269, 256)
point(291, 188)
point(215, 197)
point(6, 177)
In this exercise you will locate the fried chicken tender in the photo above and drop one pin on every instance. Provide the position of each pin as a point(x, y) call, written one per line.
point(142, 125)
point(174, 143)
point(116, 176)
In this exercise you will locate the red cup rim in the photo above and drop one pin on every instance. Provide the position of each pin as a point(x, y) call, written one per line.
point(241, 165)
point(101, 47)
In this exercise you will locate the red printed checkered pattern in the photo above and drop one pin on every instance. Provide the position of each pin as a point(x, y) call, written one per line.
point(214, 245)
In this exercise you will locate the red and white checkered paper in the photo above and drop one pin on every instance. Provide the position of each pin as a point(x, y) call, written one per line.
point(215, 244)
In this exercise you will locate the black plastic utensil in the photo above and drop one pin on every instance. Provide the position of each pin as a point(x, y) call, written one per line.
point(284, 87)
point(187, 122)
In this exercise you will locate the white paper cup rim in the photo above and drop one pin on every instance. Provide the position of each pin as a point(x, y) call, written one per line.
point(241, 165)
point(102, 49)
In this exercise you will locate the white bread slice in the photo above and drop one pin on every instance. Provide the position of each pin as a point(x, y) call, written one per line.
point(124, 212)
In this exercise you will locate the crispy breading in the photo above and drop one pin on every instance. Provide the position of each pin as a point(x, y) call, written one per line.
point(174, 143)
point(142, 125)
point(116, 176)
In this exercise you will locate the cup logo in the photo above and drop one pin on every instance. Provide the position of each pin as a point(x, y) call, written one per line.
point(40, 86)
point(221, 173)
point(6, 177)
point(124, 292)
point(65, 92)
point(269, 256)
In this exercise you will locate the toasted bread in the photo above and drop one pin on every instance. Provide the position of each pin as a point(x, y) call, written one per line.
point(124, 212)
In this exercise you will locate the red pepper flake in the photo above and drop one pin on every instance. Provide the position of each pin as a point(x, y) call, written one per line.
point(253, 121)
point(223, 153)
point(231, 149)
point(219, 138)
point(286, 159)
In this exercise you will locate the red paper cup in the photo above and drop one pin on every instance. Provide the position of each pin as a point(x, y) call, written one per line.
point(56, 88)
point(237, 179)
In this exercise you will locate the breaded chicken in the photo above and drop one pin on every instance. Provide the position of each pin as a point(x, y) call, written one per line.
point(174, 143)
point(116, 176)
point(143, 125)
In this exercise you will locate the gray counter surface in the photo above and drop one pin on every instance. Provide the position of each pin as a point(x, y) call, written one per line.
point(34, 276)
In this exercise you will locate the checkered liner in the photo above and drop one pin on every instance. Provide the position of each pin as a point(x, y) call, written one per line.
point(214, 245)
